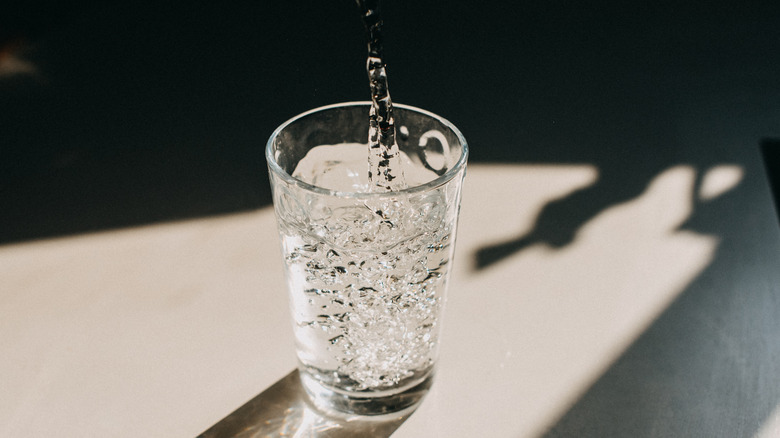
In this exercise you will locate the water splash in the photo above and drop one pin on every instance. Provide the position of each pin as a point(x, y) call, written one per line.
point(385, 172)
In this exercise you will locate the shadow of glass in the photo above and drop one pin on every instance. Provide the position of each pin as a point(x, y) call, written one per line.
point(284, 409)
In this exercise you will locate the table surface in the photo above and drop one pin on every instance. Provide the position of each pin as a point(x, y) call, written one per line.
point(616, 269)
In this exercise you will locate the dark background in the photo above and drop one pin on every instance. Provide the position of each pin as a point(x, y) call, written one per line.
point(157, 111)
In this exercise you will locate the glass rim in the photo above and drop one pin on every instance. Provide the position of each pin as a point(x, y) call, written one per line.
point(432, 184)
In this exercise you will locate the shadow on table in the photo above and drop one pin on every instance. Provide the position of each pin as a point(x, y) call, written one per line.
point(706, 366)
point(284, 410)
point(770, 149)
point(560, 220)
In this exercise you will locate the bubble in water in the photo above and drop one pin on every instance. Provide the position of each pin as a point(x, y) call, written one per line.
point(367, 301)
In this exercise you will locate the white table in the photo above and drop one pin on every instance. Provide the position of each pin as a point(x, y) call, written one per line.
point(163, 330)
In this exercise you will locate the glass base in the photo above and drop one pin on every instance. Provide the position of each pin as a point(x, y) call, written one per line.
point(374, 405)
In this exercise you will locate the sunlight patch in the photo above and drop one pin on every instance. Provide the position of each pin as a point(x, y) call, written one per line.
point(719, 180)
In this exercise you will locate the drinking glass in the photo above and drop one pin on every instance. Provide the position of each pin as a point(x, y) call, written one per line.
point(366, 270)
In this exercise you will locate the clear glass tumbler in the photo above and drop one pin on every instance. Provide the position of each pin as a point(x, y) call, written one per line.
point(366, 271)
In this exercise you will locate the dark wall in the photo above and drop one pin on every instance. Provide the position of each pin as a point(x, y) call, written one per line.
point(159, 110)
